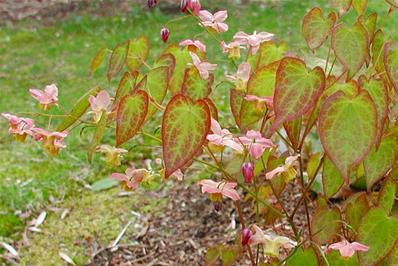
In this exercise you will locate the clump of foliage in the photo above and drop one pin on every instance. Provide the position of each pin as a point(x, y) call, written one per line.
point(282, 109)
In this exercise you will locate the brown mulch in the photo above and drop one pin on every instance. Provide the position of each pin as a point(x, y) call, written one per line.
point(182, 232)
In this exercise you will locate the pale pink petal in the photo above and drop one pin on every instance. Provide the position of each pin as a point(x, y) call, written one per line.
point(179, 175)
point(119, 177)
point(209, 186)
point(215, 126)
point(271, 174)
point(230, 193)
point(52, 90)
point(234, 145)
point(215, 139)
point(221, 27)
point(205, 15)
point(256, 150)
point(195, 59)
point(200, 46)
point(37, 94)
point(103, 100)
point(359, 247)
point(346, 251)
point(220, 16)
point(244, 71)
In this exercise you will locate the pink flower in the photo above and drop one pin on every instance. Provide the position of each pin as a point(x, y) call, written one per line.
point(195, 43)
point(215, 21)
point(246, 234)
point(233, 49)
point(252, 41)
point(267, 100)
point(248, 171)
point(256, 144)
point(348, 249)
point(52, 141)
point(191, 5)
point(47, 97)
point(202, 67)
point(132, 177)
point(100, 103)
point(220, 188)
point(289, 163)
point(112, 154)
point(18, 126)
point(222, 137)
point(242, 76)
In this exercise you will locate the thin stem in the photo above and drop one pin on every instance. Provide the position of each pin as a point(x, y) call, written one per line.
point(242, 222)
point(287, 142)
point(328, 57)
point(305, 198)
point(331, 68)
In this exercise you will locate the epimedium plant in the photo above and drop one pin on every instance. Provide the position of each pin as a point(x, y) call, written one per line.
point(329, 129)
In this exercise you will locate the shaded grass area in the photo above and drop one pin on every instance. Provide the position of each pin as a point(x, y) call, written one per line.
point(34, 55)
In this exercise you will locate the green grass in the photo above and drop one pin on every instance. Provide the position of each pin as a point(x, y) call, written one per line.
point(34, 55)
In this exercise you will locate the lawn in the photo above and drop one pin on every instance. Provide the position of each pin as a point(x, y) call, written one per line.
point(34, 54)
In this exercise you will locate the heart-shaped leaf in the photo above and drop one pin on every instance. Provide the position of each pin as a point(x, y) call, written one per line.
point(360, 6)
point(137, 53)
point(293, 131)
point(268, 53)
point(332, 180)
point(377, 51)
point(347, 129)
point(194, 86)
point(157, 83)
point(391, 63)
point(379, 232)
point(297, 90)
point(126, 85)
point(380, 161)
point(326, 224)
point(342, 6)
point(350, 45)
point(131, 115)
point(377, 90)
point(316, 28)
point(387, 195)
point(261, 83)
point(355, 209)
point(116, 62)
point(184, 129)
point(182, 58)
point(98, 59)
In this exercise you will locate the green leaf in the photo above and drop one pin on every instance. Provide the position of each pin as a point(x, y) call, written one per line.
point(184, 129)
point(126, 85)
point(313, 164)
point(335, 259)
point(391, 63)
point(229, 255)
point(261, 83)
point(131, 115)
point(167, 60)
point(98, 134)
point(268, 53)
point(212, 255)
point(78, 110)
point(377, 89)
point(387, 195)
point(370, 24)
point(300, 257)
point(350, 45)
point(355, 209)
point(157, 83)
point(377, 51)
point(137, 54)
point(326, 224)
point(332, 180)
point(316, 28)
point(347, 129)
point(182, 58)
point(379, 232)
point(296, 90)
point(104, 184)
point(360, 6)
point(235, 100)
point(116, 62)
point(380, 161)
point(194, 86)
point(98, 59)
point(342, 6)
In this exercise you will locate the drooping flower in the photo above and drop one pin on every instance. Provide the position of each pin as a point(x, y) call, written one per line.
point(215, 21)
point(52, 141)
point(287, 168)
point(253, 41)
point(202, 67)
point(132, 177)
point(164, 34)
point(242, 76)
point(112, 154)
point(248, 171)
point(246, 234)
point(194, 43)
point(47, 97)
point(256, 143)
point(219, 189)
point(348, 249)
point(20, 127)
point(261, 100)
point(270, 241)
point(222, 137)
point(232, 48)
point(100, 103)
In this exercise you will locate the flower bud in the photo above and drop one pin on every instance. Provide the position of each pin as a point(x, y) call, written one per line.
point(164, 33)
point(248, 171)
point(152, 3)
point(246, 234)
point(194, 6)
point(184, 6)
